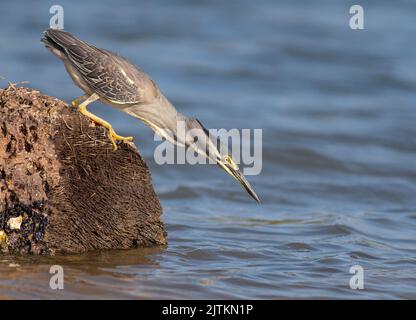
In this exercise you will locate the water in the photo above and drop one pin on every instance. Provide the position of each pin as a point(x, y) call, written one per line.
point(337, 109)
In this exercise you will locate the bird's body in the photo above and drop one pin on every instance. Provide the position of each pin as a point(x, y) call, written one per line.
point(113, 80)
point(116, 81)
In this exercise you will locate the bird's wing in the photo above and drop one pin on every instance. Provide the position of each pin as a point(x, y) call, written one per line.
point(106, 77)
point(100, 68)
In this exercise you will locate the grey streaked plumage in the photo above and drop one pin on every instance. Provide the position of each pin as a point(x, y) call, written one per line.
point(110, 75)
point(112, 79)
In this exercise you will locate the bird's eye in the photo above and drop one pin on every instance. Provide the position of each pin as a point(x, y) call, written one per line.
point(230, 161)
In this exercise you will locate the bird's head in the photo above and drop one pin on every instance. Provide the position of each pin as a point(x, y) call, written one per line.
point(206, 146)
point(228, 164)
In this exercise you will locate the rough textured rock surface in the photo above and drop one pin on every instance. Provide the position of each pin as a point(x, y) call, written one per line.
point(62, 187)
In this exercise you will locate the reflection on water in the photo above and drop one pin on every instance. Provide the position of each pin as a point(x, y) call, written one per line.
point(337, 109)
point(20, 276)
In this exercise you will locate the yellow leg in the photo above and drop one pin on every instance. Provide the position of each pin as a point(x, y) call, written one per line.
point(77, 101)
point(111, 133)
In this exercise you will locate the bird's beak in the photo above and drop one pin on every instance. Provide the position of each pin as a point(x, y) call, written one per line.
point(231, 168)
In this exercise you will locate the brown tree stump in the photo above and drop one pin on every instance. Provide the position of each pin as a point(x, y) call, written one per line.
point(62, 187)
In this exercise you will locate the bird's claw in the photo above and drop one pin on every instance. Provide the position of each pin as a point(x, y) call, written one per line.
point(75, 103)
point(114, 137)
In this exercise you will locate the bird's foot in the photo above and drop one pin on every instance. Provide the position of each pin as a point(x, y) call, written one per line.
point(76, 102)
point(114, 137)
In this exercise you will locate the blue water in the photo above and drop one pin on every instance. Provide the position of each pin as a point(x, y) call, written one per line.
point(337, 109)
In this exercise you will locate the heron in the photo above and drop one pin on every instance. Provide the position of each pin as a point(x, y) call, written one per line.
point(108, 77)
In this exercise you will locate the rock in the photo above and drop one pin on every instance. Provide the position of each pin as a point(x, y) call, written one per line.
point(62, 187)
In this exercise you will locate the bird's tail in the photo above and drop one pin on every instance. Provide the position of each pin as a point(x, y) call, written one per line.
point(58, 41)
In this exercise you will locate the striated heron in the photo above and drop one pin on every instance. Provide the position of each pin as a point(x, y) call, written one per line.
point(113, 80)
